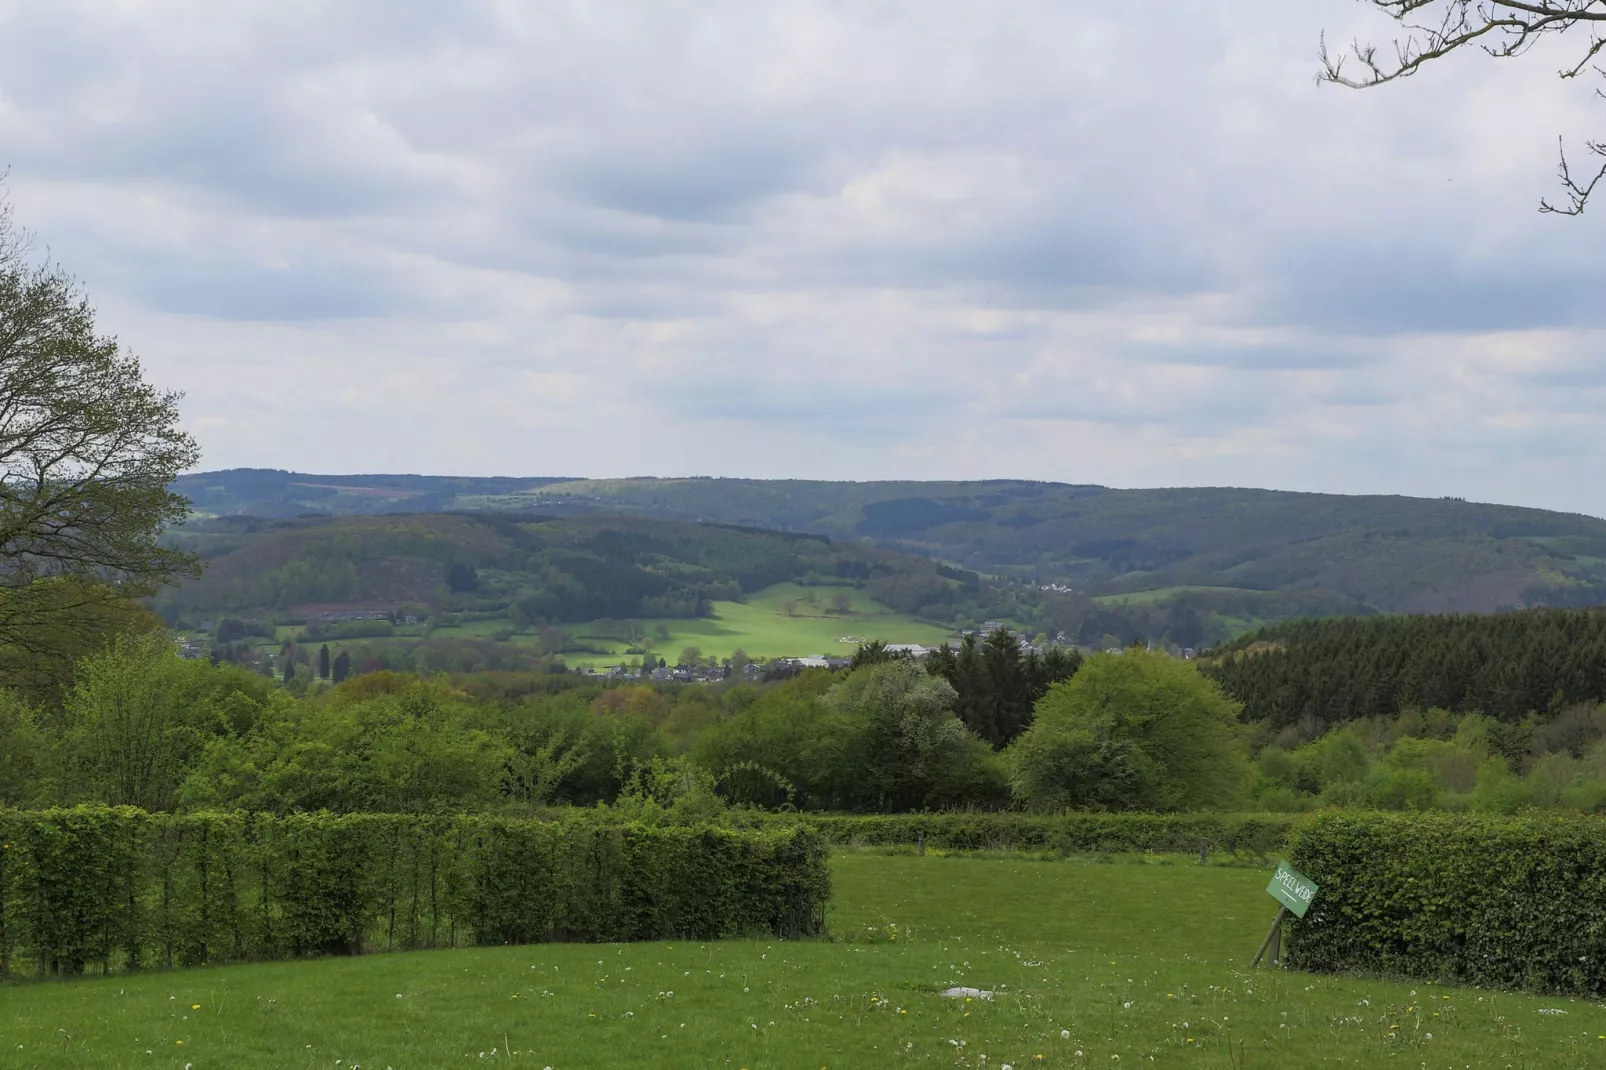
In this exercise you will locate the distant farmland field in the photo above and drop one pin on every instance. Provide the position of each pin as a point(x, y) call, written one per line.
point(778, 621)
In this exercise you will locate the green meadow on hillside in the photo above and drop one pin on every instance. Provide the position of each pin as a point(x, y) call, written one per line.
point(778, 621)
point(1091, 964)
point(498, 591)
point(1163, 594)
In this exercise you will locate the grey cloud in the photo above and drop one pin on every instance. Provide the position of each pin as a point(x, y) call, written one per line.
point(1381, 287)
point(694, 187)
point(258, 155)
point(1299, 354)
point(294, 292)
point(648, 304)
point(1190, 414)
point(214, 279)
point(815, 406)
point(1571, 375)
point(1072, 259)
point(691, 183)
point(1357, 393)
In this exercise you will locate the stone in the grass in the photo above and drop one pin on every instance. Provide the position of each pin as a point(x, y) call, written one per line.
point(965, 992)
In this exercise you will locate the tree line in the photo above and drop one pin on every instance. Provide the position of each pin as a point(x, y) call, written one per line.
point(1313, 674)
point(142, 726)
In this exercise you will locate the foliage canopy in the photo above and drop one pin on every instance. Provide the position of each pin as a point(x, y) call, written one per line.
point(1134, 730)
point(88, 450)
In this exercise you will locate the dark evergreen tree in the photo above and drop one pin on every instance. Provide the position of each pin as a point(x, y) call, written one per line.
point(1326, 672)
point(1183, 626)
point(323, 662)
point(874, 653)
point(998, 684)
point(462, 577)
point(341, 667)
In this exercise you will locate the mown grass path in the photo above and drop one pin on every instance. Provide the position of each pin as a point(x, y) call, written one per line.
point(1102, 965)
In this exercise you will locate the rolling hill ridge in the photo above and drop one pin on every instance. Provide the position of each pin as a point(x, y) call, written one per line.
point(1242, 554)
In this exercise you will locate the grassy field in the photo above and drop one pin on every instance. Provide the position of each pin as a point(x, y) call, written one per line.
point(1093, 965)
point(1160, 594)
point(1233, 626)
point(760, 626)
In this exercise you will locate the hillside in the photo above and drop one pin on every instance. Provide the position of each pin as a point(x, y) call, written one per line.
point(1233, 557)
point(276, 494)
point(533, 571)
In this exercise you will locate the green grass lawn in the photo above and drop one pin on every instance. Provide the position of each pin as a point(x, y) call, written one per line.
point(1093, 965)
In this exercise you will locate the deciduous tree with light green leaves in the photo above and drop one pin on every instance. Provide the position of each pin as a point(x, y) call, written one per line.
point(917, 753)
point(24, 755)
point(88, 449)
point(139, 716)
point(1132, 731)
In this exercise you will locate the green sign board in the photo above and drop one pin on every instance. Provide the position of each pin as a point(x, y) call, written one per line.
point(1292, 888)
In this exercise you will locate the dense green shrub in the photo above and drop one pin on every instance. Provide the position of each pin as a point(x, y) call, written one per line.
point(1468, 899)
point(1131, 731)
point(885, 738)
point(1438, 760)
point(121, 888)
point(1073, 833)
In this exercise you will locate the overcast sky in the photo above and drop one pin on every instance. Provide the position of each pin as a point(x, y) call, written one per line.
point(1127, 243)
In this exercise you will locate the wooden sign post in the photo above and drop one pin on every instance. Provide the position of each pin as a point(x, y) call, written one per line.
point(1293, 891)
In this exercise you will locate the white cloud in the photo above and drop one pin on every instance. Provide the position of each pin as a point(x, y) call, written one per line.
point(1131, 244)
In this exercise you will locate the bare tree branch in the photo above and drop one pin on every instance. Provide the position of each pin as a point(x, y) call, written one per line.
point(1500, 28)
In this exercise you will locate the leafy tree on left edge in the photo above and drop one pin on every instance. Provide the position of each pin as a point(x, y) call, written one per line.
point(88, 451)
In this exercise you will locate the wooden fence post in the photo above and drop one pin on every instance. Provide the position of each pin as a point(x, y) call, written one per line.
point(1273, 941)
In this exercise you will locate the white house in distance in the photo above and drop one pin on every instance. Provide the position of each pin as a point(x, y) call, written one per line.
point(914, 650)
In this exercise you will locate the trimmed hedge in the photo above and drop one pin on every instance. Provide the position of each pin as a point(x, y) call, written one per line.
point(1071, 833)
point(104, 888)
point(1505, 902)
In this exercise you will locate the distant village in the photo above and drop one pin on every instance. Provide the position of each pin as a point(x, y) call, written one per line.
point(202, 643)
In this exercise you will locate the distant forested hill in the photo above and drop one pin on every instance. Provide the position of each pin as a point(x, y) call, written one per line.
point(273, 493)
point(556, 569)
point(1201, 562)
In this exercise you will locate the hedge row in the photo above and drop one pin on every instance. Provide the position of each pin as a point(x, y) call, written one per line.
point(1072, 833)
point(1508, 902)
point(121, 889)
